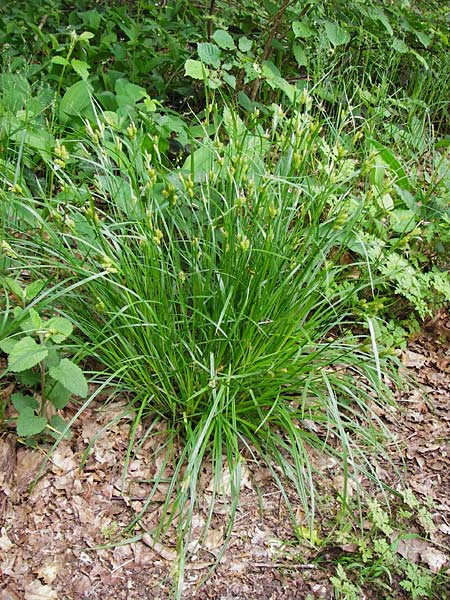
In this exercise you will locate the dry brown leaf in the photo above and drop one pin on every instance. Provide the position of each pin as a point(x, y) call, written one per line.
point(37, 591)
point(413, 359)
point(434, 559)
point(164, 551)
point(49, 571)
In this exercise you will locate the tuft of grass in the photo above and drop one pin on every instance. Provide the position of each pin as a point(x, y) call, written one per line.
point(218, 296)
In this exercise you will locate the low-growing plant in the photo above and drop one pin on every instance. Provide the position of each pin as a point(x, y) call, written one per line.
point(38, 361)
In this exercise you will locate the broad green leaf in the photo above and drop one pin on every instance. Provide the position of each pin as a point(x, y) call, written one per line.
point(8, 344)
point(195, 69)
point(300, 55)
point(91, 19)
point(26, 354)
point(402, 221)
point(30, 424)
point(71, 377)
point(85, 36)
point(224, 40)
point(389, 159)
point(59, 328)
point(60, 425)
point(31, 321)
point(229, 79)
point(400, 46)
point(60, 60)
point(33, 289)
point(245, 45)
point(14, 287)
point(58, 395)
point(336, 34)
point(77, 101)
point(128, 93)
point(80, 67)
point(423, 38)
point(201, 162)
point(209, 54)
point(21, 401)
point(302, 30)
point(381, 16)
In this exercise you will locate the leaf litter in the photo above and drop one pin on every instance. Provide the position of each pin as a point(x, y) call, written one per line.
point(54, 539)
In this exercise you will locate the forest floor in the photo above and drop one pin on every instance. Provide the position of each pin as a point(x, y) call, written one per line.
point(49, 536)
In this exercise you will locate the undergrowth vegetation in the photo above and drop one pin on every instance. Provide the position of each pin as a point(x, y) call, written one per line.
point(236, 222)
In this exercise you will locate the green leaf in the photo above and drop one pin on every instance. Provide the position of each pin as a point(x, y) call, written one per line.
point(302, 30)
point(381, 16)
point(59, 328)
point(58, 395)
point(60, 60)
point(388, 157)
point(33, 289)
point(14, 287)
point(400, 46)
point(336, 34)
point(71, 377)
point(30, 424)
point(224, 40)
point(423, 38)
point(21, 401)
point(230, 80)
point(402, 220)
point(80, 67)
point(195, 69)
point(202, 161)
point(245, 45)
point(300, 55)
point(85, 36)
point(128, 93)
point(32, 321)
point(8, 344)
point(77, 101)
point(59, 424)
point(209, 54)
point(26, 354)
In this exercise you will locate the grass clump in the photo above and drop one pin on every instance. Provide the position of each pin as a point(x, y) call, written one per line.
point(218, 295)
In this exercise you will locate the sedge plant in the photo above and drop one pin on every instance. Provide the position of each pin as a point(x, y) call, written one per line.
point(217, 296)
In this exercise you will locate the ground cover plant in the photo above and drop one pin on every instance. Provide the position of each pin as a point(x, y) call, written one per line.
point(237, 235)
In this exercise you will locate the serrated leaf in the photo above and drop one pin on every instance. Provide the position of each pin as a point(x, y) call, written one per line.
point(26, 354)
point(58, 395)
point(209, 54)
point(29, 423)
point(71, 377)
point(80, 67)
point(245, 45)
point(22, 401)
point(59, 328)
point(302, 30)
point(195, 69)
point(224, 40)
point(336, 34)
